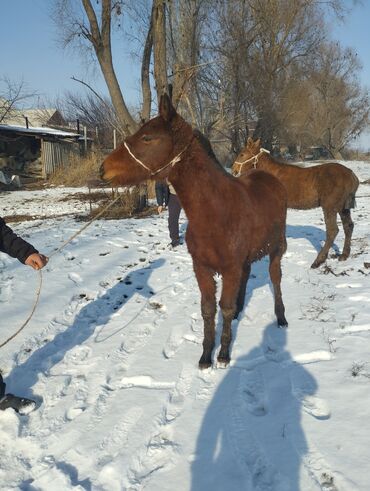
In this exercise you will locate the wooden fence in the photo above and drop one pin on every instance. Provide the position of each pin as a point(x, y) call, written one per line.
point(55, 154)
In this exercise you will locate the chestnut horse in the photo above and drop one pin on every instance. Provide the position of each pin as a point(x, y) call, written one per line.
point(231, 222)
point(331, 186)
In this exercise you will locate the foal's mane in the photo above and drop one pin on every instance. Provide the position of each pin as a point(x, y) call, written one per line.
point(206, 145)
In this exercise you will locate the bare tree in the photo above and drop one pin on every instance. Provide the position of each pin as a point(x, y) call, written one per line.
point(340, 108)
point(96, 113)
point(12, 96)
point(93, 29)
point(172, 49)
point(227, 63)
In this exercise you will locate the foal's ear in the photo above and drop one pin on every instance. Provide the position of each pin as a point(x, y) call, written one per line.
point(249, 141)
point(166, 109)
point(257, 143)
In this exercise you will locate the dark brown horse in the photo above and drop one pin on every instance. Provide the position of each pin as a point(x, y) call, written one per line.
point(331, 186)
point(232, 222)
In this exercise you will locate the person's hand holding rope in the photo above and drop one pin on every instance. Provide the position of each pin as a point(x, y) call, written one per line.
point(36, 261)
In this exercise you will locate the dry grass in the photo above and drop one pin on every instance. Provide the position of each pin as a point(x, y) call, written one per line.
point(79, 171)
point(84, 171)
point(132, 203)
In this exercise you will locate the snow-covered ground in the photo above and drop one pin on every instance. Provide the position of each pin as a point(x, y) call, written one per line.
point(111, 357)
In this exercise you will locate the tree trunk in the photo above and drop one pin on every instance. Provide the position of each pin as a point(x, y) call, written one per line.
point(159, 44)
point(145, 65)
point(100, 37)
point(129, 125)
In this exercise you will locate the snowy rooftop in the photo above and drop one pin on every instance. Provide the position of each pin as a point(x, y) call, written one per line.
point(39, 131)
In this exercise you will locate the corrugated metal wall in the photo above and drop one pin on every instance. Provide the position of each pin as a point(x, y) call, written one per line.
point(56, 154)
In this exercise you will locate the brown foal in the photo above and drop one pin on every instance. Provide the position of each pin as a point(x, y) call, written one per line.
point(232, 222)
point(331, 186)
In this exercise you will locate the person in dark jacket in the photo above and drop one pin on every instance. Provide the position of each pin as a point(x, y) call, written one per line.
point(166, 196)
point(16, 247)
point(162, 195)
point(174, 210)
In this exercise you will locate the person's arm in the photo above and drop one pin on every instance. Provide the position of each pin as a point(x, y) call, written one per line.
point(15, 246)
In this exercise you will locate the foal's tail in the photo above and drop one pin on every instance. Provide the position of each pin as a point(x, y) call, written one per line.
point(350, 202)
point(351, 198)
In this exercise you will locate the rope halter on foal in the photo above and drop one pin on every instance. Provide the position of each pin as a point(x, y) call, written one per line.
point(174, 161)
point(254, 159)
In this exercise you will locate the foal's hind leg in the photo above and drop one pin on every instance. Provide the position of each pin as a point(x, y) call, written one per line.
point(243, 286)
point(207, 288)
point(230, 287)
point(330, 218)
point(275, 275)
point(347, 222)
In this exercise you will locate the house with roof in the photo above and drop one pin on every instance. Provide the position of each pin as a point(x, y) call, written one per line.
point(35, 118)
point(34, 142)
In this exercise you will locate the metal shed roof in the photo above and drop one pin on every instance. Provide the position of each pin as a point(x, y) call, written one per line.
point(44, 131)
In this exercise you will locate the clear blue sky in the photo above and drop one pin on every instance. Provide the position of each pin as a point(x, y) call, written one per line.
point(29, 50)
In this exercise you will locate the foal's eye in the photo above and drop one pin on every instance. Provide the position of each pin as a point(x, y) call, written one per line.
point(147, 138)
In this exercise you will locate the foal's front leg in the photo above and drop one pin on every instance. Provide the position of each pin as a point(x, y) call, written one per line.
point(207, 286)
point(230, 288)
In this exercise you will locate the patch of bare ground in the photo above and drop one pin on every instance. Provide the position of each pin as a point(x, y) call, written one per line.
point(32, 218)
point(119, 211)
point(93, 196)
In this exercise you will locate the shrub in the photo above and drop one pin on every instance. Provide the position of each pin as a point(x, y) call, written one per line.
point(78, 171)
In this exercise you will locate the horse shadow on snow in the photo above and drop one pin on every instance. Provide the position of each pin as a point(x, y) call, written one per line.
point(251, 436)
point(315, 235)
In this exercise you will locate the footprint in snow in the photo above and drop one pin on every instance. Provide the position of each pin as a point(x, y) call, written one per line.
point(303, 389)
point(358, 328)
point(312, 357)
point(359, 298)
point(73, 412)
point(144, 382)
point(173, 342)
point(76, 278)
point(178, 395)
point(252, 390)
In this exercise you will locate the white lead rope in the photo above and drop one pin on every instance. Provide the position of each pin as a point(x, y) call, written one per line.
point(50, 256)
point(254, 158)
point(170, 164)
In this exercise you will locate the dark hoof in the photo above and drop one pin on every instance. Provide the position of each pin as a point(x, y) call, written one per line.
point(316, 264)
point(205, 363)
point(282, 322)
point(343, 257)
point(223, 361)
